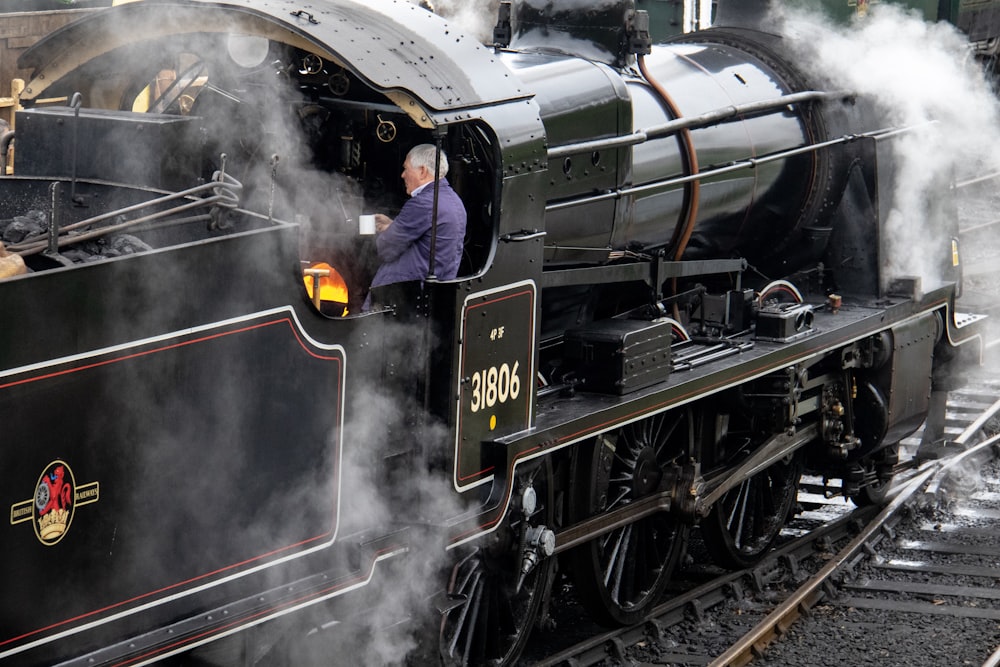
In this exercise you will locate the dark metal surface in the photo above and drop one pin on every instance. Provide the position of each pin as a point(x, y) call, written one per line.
point(50, 5)
point(562, 420)
point(567, 418)
point(53, 142)
point(595, 32)
point(117, 430)
point(904, 566)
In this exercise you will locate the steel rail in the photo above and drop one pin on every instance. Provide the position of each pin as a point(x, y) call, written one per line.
point(702, 596)
point(807, 595)
point(933, 474)
point(993, 660)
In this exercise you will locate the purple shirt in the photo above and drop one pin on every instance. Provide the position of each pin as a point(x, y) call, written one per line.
point(405, 246)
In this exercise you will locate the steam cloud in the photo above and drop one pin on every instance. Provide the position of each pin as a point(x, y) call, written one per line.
point(476, 17)
point(391, 618)
point(921, 75)
point(384, 623)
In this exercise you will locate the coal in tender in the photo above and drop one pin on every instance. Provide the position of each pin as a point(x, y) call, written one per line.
point(20, 227)
point(105, 247)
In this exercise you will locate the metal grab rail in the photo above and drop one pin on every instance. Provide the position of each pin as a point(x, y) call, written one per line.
point(224, 195)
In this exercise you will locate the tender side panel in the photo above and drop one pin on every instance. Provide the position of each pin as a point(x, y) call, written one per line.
point(169, 453)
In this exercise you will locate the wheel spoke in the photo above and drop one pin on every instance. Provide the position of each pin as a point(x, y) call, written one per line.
point(738, 516)
point(475, 604)
point(662, 439)
point(614, 559)
point(747, 519)
point(620, 499)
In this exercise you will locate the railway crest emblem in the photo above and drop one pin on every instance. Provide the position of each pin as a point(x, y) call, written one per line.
point(55, 501)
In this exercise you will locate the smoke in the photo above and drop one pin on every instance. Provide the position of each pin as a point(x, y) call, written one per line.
point(922, 76)
point(385, 487)
point(475, 17)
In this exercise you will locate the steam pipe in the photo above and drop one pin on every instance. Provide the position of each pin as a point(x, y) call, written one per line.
point(692, 195)
point(695, 122)
point(748, 163)
point(961, 184)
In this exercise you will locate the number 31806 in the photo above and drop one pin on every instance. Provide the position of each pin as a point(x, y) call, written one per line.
point(495, 385)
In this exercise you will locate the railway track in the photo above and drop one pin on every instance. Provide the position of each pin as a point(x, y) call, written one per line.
point(844, 578)
point(978, 232)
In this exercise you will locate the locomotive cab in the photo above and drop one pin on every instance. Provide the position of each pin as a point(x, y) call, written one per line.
point(300, 129)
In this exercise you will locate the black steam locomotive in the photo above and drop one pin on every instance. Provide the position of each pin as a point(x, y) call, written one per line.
point(674, 299)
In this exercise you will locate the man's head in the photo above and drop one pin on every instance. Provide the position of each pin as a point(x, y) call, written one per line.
point(418, 168)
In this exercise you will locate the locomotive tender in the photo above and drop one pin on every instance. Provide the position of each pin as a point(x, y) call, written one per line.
point(673, 301)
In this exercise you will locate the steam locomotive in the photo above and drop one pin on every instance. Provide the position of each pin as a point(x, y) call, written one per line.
point(674, 299)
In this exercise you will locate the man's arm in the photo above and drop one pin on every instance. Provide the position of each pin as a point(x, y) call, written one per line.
point(399, 234)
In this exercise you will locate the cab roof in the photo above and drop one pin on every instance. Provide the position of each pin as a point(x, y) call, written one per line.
point(392, 45)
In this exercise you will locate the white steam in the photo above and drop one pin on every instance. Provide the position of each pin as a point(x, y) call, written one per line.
point(386, 488)
point(921, 75)
point(475, 17)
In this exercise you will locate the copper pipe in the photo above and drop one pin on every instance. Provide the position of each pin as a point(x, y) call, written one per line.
point(692, 194)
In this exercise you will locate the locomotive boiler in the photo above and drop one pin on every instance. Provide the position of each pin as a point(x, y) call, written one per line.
point(673, 300)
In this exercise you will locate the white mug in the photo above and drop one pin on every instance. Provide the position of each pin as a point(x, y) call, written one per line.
point(366, 224)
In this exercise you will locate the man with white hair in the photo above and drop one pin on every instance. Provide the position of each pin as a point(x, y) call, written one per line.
point(404, 243)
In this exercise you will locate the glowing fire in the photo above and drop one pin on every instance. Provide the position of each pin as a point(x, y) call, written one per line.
point(332, 287)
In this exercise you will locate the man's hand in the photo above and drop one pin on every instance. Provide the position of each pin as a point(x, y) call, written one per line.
point(382, 222)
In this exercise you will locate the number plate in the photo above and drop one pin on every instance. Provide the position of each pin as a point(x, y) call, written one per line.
point(497, 374)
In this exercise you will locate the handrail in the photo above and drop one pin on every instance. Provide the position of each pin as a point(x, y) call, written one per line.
point(225, 191)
